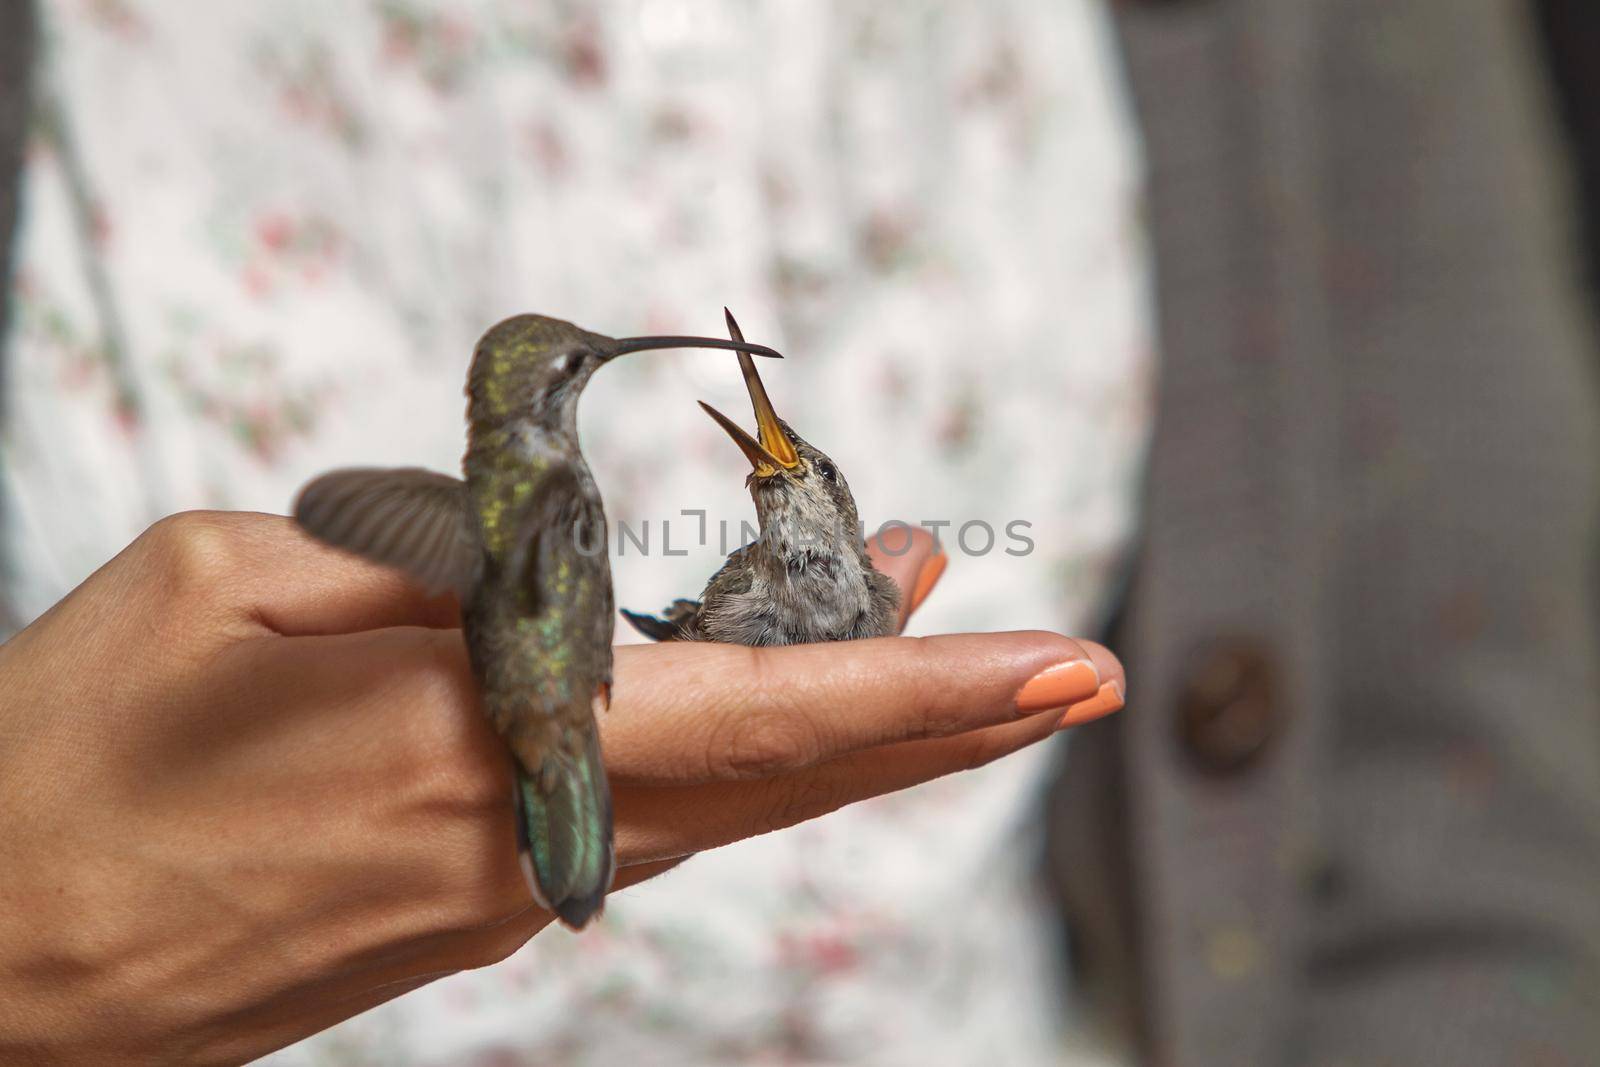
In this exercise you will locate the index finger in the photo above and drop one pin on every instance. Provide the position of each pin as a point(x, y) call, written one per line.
point(690, 712)
point(265, 574)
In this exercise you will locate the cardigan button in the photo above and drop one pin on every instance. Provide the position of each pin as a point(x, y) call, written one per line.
point(1228, 707)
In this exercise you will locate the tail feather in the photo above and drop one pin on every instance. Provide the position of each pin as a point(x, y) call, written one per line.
point(564, 815)
point(677, 623)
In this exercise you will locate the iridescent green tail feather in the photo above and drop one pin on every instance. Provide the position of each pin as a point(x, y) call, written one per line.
point(566, 835)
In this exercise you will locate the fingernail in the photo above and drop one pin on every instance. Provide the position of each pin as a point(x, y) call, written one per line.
point(1058, 686)
point(1103, 703)
point(927, 578)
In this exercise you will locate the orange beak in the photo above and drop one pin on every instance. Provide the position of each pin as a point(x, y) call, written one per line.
point(773, 451)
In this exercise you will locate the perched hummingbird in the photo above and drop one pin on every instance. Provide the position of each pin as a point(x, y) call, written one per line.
point(807, 576)
point(522, 543)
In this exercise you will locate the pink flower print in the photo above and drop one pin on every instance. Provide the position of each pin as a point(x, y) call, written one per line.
point(438, 46)
point(274, 231)
point(585, 57)
point(820, 953)
point(256, 281)
point(99, 225)
point(311, 92)
point(286, 246)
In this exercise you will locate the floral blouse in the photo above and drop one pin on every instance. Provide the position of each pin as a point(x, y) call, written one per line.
point(259, 241)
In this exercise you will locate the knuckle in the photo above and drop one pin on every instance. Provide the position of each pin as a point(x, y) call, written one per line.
point(913, 696)
point(445, 773)
point(192, 548)
point(451, 741)
point(924, 694)
point(471, 783)
point(432, 671)
point(930, 724)
point(749, 741)
point(759, 743)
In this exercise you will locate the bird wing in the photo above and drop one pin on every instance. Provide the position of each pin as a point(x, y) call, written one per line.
point(681, 619)
point(883, 617)
point(412, 519)
point(733, 578)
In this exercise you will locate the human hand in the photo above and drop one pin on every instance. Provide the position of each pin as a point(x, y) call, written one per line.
point(772, 737)
point(245, 792)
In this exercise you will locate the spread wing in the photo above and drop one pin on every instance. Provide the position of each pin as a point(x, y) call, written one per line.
point(412, 519)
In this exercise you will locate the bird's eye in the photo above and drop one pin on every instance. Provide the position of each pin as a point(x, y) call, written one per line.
point(826, 470)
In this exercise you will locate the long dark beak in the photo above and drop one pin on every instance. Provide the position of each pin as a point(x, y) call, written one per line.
point(622, 346)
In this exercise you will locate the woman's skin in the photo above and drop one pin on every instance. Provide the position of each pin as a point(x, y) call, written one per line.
point(245, 792)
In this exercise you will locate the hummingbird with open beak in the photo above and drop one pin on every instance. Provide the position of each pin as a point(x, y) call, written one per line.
point(521, 541)
point(807, 576)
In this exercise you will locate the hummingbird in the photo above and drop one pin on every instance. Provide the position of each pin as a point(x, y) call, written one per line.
point(521, 542)
point(807, 576)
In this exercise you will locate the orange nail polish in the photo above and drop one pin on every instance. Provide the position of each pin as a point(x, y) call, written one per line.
point(1103, 703)
point(927, 578)
point(1058, 686)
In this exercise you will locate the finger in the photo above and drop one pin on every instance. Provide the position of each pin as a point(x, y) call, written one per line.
point(278, 579)
point(404, 699)
point(401, 692)
point(654, 823)
point(633, 873)
point(490, 945)
point(296, 1019)
point(686, 713)
point(913, 558)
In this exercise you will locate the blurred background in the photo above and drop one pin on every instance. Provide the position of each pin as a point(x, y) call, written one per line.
point(1266, 316)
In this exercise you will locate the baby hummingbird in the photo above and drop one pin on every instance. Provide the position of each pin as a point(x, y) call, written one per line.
point(807, 576)
point(521, 541)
